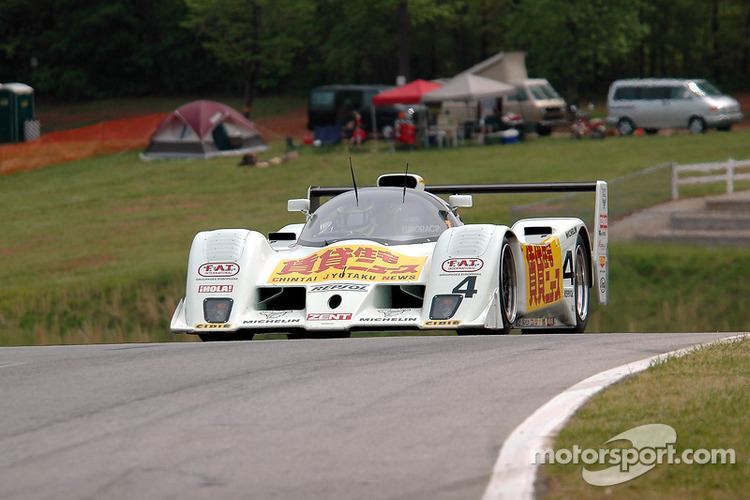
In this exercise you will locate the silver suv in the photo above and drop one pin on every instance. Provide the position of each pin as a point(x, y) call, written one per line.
point(653, 104)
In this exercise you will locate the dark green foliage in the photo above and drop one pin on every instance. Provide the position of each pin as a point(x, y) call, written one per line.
point(131, 47)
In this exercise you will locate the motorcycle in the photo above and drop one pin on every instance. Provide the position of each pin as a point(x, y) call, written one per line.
point(583, 126)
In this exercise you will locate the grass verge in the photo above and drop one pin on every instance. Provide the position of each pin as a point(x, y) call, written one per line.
point(704, 396)
point(75, 231)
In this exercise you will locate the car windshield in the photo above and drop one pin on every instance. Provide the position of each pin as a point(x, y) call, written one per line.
point(544, 91)
point(704, 88)
point(383, 215)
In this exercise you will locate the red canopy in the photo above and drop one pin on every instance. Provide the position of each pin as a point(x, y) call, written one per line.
point(411, 93)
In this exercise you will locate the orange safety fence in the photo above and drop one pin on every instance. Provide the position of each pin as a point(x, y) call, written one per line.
point(67, 145)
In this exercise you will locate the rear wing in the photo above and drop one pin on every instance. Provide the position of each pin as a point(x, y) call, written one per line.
point(601, 215)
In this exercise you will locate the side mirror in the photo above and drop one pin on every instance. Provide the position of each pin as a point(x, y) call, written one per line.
point(298, 205)
point(461, 201)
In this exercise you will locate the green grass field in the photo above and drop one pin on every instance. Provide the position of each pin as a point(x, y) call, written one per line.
point(97, 249)
point(708, 412)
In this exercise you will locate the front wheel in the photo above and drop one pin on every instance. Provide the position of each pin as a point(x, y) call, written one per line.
point(508, 292)
point(625, 126)
point(697, 125)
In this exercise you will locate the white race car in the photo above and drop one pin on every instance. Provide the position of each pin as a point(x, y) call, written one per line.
point(397, 256)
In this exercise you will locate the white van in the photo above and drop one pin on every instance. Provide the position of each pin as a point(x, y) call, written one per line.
point(651, 104)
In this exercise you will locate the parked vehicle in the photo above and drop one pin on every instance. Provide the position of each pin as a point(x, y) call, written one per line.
point(653, 104)
point(538, 103)
point(331, 105)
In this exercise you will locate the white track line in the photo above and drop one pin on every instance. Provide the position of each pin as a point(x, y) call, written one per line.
point(515, 470)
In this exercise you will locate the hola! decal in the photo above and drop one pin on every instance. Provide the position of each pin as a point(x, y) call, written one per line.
point(456, 265)
point(355, 263)
point(215, 288)
point(544, 271)
point(218, 269)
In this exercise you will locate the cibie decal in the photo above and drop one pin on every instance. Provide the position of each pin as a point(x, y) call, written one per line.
point(455, 265)
point(353, 263)
point(544, 273)
point(442, 322)
point(340, 287)
point(214, 269)
point(210, 326)
point(329, 316)
point(215, 288)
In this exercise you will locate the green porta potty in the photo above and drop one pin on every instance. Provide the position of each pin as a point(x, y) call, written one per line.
point(17, 113)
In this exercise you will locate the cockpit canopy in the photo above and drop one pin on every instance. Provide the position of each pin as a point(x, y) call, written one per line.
point(383, 215)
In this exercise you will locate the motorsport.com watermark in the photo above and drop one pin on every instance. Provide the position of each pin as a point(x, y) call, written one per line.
point(650, 445)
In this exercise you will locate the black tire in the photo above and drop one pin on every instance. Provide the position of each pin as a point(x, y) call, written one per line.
point(582, 283)
point(543, 130)
point(652, 131)
point(697, 125)
point(225, 337)
point(625, 126)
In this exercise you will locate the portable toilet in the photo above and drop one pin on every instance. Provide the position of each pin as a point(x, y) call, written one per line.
point(17, 120)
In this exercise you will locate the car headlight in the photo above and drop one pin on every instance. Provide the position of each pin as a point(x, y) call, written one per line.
point(444, 306)
point(217, 310)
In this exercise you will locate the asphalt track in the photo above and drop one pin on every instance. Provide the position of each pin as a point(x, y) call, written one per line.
point(370, 418)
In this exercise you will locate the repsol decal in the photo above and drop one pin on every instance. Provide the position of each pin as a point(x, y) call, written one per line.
point(329, 316)
point(215, 288)
point(223, 269)
point(339, 287)
point(463, 265)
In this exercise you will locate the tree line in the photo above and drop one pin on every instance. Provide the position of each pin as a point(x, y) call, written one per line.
point(75, 49)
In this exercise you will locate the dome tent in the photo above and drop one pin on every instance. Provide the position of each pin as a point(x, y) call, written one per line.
point(204, 129)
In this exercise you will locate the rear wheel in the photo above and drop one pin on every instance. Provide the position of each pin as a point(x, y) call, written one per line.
point(582, 284)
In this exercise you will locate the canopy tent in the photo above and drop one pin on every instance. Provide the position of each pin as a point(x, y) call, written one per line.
point(204, 129)
point(468, 87)
point(411, 93)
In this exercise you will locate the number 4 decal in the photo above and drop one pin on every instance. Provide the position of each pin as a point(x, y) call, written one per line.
point(470, 289)
point(568, 267)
